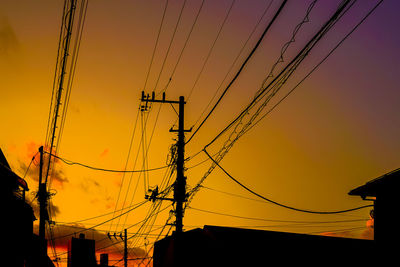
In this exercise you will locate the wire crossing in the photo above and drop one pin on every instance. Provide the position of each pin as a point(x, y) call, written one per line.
point(280, 204)
point(268, 92)
point(69, 162)
point(240, 69)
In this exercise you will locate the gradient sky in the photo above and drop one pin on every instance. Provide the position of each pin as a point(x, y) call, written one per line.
point(338, 130)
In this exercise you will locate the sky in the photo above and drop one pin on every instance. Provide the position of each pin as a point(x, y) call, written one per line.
point(336, 131)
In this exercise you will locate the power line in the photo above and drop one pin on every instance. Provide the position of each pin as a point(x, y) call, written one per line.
point(232, 194)
point(155, 45)
point(211, 49)
point(240, 69)
point(104, 222)
point(104, 231)
point(346, 5)
point(235, 60)
point(63, 93)
point(153, 212)
point(55, 72)
point(285, 47)
point(166, 223)
point(145, 150)
point(30, 163)
point(97, 216)
point(277, 221)
point(340, 230)
point(269, 91)
point(69, 162)
point(317, 66)
point(279, 204)
point(281, 78)
point(126, 163)
point(170, 44)
point(186, 41)
point(72, 71)
point(141, 144)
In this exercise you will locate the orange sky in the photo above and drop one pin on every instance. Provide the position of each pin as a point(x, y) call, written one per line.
point(338, 130)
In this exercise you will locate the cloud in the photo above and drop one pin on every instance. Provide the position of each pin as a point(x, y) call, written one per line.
point(9, 43)
point(104, 153)
point(99, 194)
point(56, 176)
point(89, 185)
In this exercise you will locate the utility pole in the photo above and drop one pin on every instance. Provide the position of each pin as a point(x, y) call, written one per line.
point(125, 239)
point(125, 248)
point(42, 198)
point(180, 182)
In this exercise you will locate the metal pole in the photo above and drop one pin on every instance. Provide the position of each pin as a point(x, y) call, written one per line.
point(42, 198)
point(126, 249)
point(180, 183)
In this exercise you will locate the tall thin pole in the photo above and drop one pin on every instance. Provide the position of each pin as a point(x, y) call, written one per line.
point(125, 248)
point(180, 183)
point(42, 198)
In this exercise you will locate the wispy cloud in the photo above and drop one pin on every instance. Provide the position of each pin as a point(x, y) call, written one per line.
point(56, 174)
point(9, 43)
point(104, 153)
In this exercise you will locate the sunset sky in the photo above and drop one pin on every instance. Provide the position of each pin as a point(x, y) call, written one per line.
point(339, 129)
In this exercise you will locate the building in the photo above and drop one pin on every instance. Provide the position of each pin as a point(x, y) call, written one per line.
point(227, 246)
point(21, 247)
point(103, 260)
point(81, 252)
point(383, 191)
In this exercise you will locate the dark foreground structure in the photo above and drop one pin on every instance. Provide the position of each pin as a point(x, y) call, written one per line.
point(21, 245)
point(81, 252)
point(226, 246)
point(384, 192)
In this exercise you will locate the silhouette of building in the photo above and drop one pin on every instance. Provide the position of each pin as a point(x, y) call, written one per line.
point(21, 245)
point(384, 192)
point(103, 260)
point(227, 246)
point(81, 252)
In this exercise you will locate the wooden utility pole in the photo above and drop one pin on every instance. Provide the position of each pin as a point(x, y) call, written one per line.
point(180, 182)
point(125, 248)
point(43, 216)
